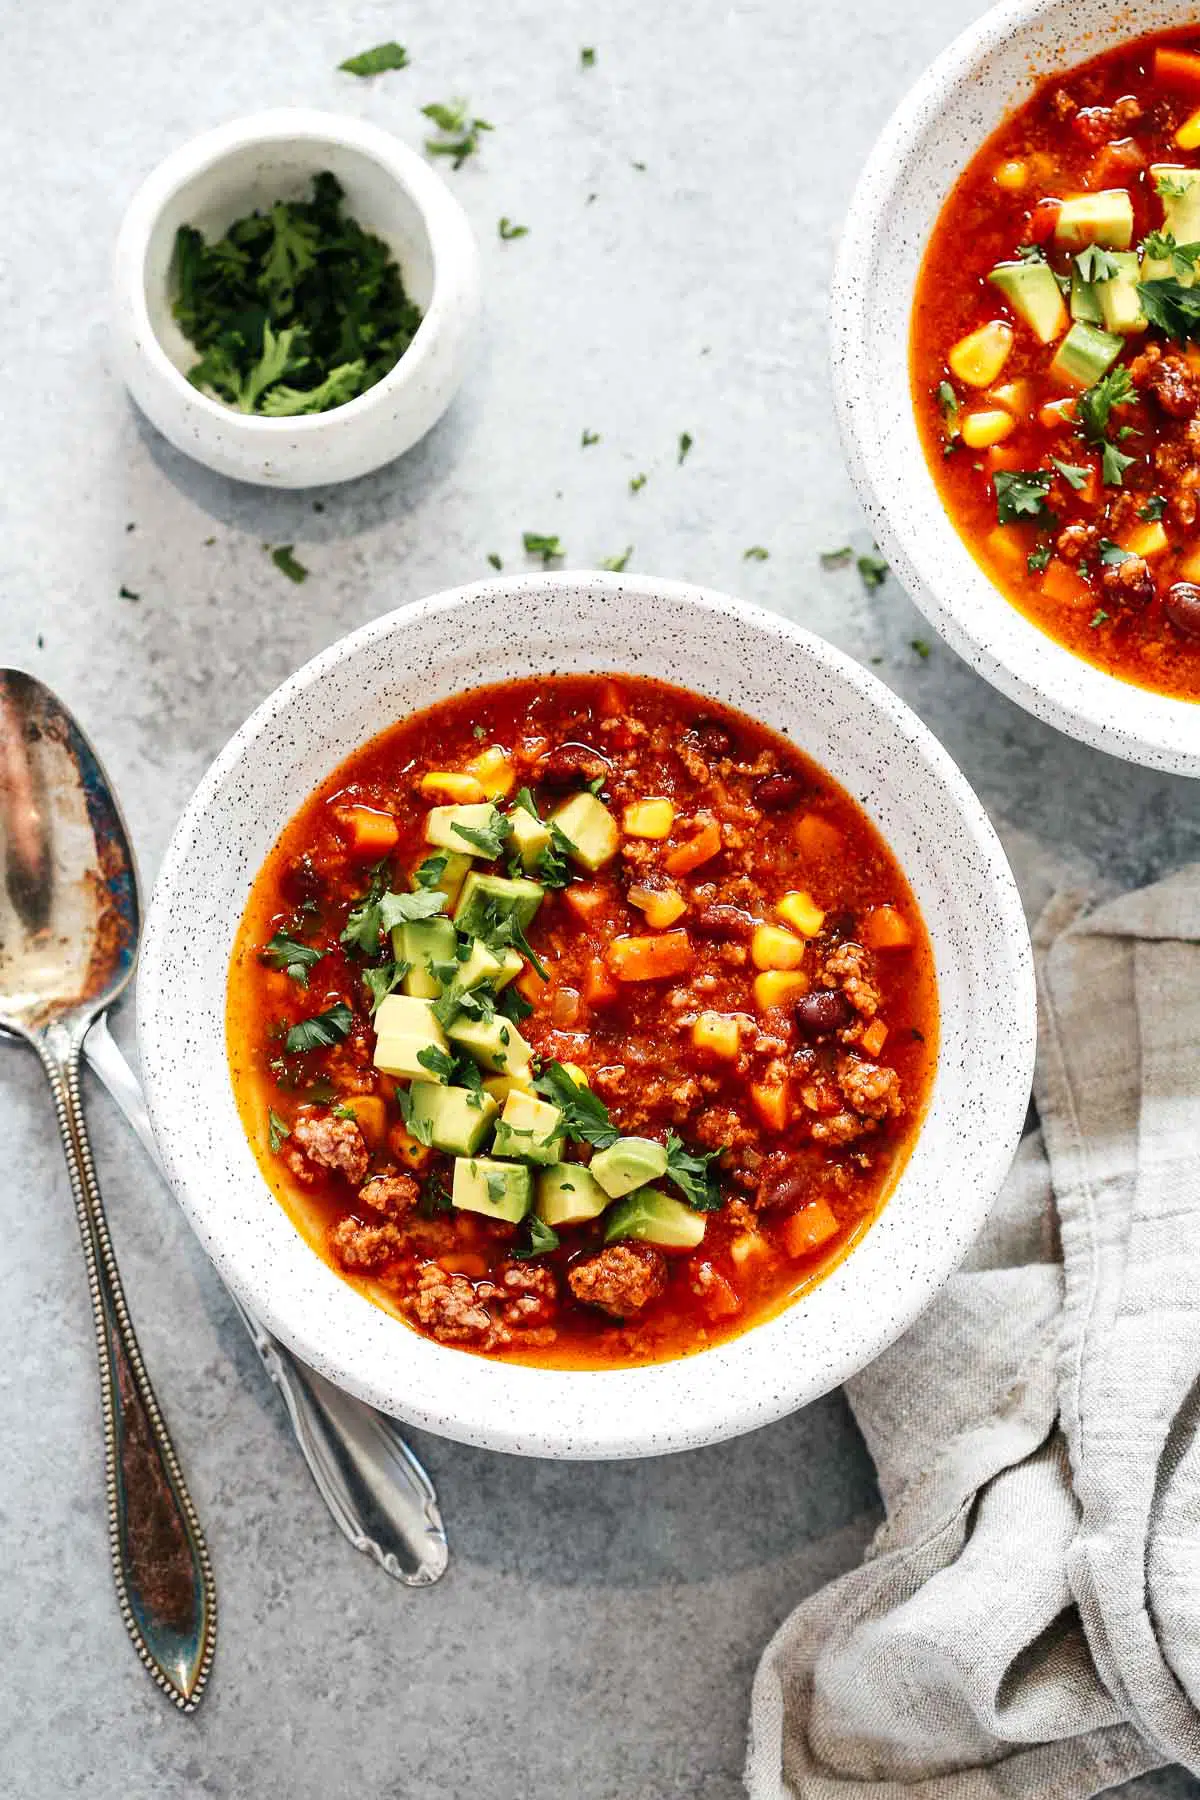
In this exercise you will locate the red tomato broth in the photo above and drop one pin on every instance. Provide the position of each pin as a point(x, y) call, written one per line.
point(1136, 636)
point(632, 1038)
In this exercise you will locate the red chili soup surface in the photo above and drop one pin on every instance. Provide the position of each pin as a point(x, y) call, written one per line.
point(684, 1125)
point(1065, 439)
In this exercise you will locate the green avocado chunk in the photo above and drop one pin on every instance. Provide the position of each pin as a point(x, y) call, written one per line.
point(453, 1118)
point(497, 1190)
point(568, 1194)
point(629, 1163)
point(485, 898)
point(418, 943)
point(653, 1217)
point(1033, 294)
point(1085, 354)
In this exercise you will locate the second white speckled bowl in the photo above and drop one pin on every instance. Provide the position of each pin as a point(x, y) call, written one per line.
point(855, 728)
point(925, 145)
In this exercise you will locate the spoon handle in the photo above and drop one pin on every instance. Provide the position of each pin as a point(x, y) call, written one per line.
point(160, 1562)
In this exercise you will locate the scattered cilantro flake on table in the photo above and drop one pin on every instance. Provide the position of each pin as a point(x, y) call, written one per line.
point(587, 438)
point(374, 62)
point(873, 571)
point(127, 593)
point(508, 230)
point(459, 132)
point(550, 549)
point(495, 560)
point(756, 553)
point(921, 647)
point(587, 57)
point(637, 483)
point(287, 564)
point(639, 166)
point(685, 443)
point(836, 559)
point(617, 563)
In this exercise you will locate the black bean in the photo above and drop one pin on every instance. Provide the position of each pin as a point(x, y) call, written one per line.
point(710, 738)
point(823, 1011)
point(1182, 607)
point(724, 922)
point(567, 763)
point(774, 792)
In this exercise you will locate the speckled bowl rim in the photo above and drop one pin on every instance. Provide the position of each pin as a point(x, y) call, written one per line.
point(952, 589)
point(954, 1171)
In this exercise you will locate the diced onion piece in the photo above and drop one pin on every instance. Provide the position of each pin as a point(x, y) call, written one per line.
point(886, 928)
point(454, 785)
point(1015, 396)
point(1146, 540)
point(980, 430)
point(777, 987)
point(648, 819)
point(771, 1103)
point(718, 1033)
point(979, 357)
point(494, 773)
point(650, 958)
point(745, 1245)
point(662, 906)
point(773, 948)
point(801, 912)
point(1012, 176)
point(806, 1230)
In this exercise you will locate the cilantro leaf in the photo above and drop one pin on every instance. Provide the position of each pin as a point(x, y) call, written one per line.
point(322, 1030)
point(686, 441)
point(587, 57)
point(430, 872)
point(460, 133)
point(501, 930)
point(508, 230)
point(295, 959)
point(947, 399)
point(1168, 186)
point(374, 62)
point(693, 1174)
point(382, 981)
point(436, 1061)
point(616, 564)
point(756, 553)
point(1154, 508)
point(1095, 264)
point(1112, 555)
point(585, 1115)
point(277, 1130)
point(1174, 308)
point(403, 909)
point(873, 571)
point(1071, 472)
point(836, 559)
point(637, 483)
point(513, 1004)
point(1098, 618)
point(921, 647)
point(417, 1126)
point(1113, 464)
point(1094, 407)
point(341, 384)
point(548, 548)
point(496, 561)
point(1038, 559)
point(362, 927)
point(536, 1239)
point(434, 1197)
point(587, 438)
point(287, 564)
point(552, 869)
point(524, 799)
point(488, 839)
point(1021, 494)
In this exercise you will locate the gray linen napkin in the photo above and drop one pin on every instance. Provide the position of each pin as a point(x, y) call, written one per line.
point(1027, 1622)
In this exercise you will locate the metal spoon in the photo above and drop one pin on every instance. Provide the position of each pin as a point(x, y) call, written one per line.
point(69, 921)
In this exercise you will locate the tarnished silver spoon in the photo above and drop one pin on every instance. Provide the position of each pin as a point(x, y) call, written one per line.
point(69, 920)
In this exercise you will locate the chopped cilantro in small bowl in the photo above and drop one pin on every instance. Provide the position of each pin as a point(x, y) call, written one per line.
point(294, 298)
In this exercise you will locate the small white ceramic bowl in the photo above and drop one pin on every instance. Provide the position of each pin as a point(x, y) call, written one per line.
point(855, 728)
point(243, 167)
point(925, 145)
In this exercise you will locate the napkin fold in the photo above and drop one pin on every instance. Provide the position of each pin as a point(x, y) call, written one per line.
point(1027, 1621)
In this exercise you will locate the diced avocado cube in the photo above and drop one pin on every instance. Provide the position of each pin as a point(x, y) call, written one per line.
point(589, 828)
point(529, 836)
point(452, 876)
point(655, 1218)
point(1179, 191)
point(1085, 301)
point(485, 898)
point(498, 1190)
point(481, 965)
point(495, 1043)
point(1105, 218)
point(453, 1118)
point(529, 1130)
point(511, 964)
point(568, 1194)
point(1084, 355)
point(418, 943)
point(501, 1086)
point(629, 1163)
point(439, 826)
point(1033, 294)
point(1119, 299)
point(405, 1025)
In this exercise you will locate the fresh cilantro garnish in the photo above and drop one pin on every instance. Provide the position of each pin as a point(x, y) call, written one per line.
point(479, 732)
point(1038, 559)
point(382, 981)
point(551, 868)
point(524, 799)
point(296, 309)
point(585, 1116)
point(536, 1238)
point(1154, 508)
point(1095, 264)
point(434, 1197)
point(436, 1061)
point(836, 559)
point(403, 909)
point(380, 909)
point(1112, 555)
point(1021, 494)
point(1030, 253)
point(1161, 247)
point(873, 571)
point(127, 593)
point(550, 549)
point(693, 1174)
point(588, 438)
point(417, 1126)
point(685, 443)
point(343, 1110)
point(1174, 308)
point(920, 647)
point(322, 1030)
point(376, 61)
point(617, 563)
point(283, 952)
point(1169, 187)
point(487, 839)
point(1113, 464)
point(1098, 618)
point(495, 560)
point(756, 553)
point(513, 1004)
point(459, 132)
point(1072, 472)
point(587, 57)
point(277, 1130)
point(429, 873)
point(637, 483)
point(1094, 407)
point(508, 230)
point(501, 930)
point(284, 560)
point(596, 785)
point(947, 399)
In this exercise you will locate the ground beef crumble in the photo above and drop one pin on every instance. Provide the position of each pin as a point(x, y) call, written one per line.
point(621, 1279)
point(320, 1141)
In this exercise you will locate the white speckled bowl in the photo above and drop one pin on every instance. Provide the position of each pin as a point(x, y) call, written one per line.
point(245, 166)
point(854, 727)
point(927, 142)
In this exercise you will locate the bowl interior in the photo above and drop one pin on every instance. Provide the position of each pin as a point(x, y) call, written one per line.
point(249, 178)
point(938, 127)
point(863, 735)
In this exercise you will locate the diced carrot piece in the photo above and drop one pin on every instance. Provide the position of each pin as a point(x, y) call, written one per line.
point(699, 849)
point(1189, 567)
point(806, 1230)
point(1146, 540)
point(406, 1149)
point(464, 1262)
point(370, 1115)
point(1000, 458)
point(1006, 544)
point(1061, 582)
point(771, 1103)
point(1180, 68)
point(718, 1297)
point(817, 837)
point(650, 958)
point(371, 833)
point(529, 983)
point(1057, 413)
point(599, 988)
point(874, 1037)
point(1042, 221)
point(584, 902)
point(613, 703)
point(886, 928)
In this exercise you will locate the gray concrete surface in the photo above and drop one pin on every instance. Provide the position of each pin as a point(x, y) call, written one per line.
point(598, 1630)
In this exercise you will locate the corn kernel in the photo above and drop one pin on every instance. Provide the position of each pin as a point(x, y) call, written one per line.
point(874, 1037)
point(773, 948)
point(1146, 540)
point(1188, 135)
point(662, 906)
point(456, 787)
point(648, 819)
point(1015, 396)
point(801, 912)
point(980, 430)
point(979, 357)
point(717, 1032)
point(776, 987)
point(771, 1103)
point(1012, 176)
point(494, 773)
